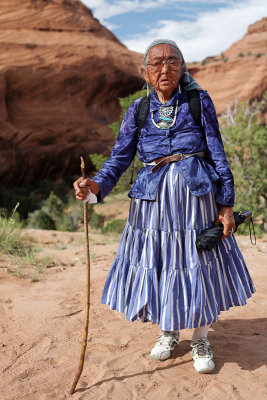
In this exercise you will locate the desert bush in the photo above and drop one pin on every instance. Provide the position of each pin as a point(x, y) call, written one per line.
point(31, 196)
point(54, 215)
point(65, 223)
point(97, 160)
point(10, 237)
point(114, 226)
point(39, 219)
point(245, 142)
point(53, 206)
point(74, 210)
point(49, 214)
point(96, 221)
point(18, 252)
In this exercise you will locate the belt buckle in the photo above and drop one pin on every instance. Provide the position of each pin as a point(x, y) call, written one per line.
point(177, 156)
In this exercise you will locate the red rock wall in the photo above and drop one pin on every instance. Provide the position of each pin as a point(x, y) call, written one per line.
point(61, 74)
point(238, 73)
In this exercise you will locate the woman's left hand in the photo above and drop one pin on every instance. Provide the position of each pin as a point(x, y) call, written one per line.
point(226, 217)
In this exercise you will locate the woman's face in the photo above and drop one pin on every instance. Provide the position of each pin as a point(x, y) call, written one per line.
point(163, 70)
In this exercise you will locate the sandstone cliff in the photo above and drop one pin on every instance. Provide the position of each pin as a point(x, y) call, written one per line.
point(61, 74)
point(238, 73)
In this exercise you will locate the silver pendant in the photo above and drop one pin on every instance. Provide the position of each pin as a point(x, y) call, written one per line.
point(165, 112)
point(165, 116)
point(166, 121)
point(163, 125)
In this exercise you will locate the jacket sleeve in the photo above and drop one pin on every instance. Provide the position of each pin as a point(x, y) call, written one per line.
point(122, 153)
point(216, 155)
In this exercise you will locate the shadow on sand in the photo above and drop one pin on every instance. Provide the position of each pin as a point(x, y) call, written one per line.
point(238, 341)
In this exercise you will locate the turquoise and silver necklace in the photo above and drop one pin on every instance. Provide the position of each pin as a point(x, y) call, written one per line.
point(165, 112)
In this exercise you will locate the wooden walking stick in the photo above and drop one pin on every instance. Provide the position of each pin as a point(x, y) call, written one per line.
point(87, 307)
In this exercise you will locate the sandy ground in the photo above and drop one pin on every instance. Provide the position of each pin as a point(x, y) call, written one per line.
point(41, 325)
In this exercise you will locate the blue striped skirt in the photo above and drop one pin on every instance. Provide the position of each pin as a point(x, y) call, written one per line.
point(158, 274)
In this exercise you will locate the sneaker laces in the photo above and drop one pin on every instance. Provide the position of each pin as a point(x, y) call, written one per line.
point(201, 347)
point(167, 337)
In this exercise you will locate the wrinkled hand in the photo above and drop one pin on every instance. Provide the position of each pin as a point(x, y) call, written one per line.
point(226, 217)
point(82, 187)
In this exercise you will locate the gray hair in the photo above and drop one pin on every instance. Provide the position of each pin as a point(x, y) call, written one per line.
point(187, 81)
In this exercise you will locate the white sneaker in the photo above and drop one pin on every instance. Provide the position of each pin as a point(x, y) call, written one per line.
point(202, 356)
point(165, 345)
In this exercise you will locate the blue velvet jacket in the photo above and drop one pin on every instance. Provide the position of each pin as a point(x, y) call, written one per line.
point(201, 174)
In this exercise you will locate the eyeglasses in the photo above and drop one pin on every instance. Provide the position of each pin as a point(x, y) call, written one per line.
point(173, 63)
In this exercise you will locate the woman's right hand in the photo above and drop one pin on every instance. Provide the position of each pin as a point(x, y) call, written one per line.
point(82, 187)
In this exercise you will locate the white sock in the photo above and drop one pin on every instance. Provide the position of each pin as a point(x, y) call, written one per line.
point(170, 332)
point(201, 332)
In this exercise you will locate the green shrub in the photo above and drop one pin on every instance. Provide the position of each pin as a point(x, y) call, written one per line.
point(96, 220)
point(49, 215)
point(98, 160)
point(39, 219)
point(65, 223)
point(19, 253)
point(11, 240)
point(114, 226)
point(53, 207)
point(31, 196)
point(245, 142)
point(74, 209)
point(52, 216)
point(10, 236)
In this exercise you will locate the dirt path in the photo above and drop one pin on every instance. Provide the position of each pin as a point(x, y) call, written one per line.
point(41, 331)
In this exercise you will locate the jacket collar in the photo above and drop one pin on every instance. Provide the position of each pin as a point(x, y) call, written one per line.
point(155, 104)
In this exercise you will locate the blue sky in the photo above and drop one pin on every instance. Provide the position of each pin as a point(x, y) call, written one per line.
point(200, 28)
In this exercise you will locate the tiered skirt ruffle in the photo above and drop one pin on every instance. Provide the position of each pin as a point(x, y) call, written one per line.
point(158, 275)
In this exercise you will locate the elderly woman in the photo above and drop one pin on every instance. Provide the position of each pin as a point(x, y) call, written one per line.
point(158, 274)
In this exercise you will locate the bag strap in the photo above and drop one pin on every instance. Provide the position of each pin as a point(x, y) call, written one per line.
point(195, 105)
point(142, 114)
